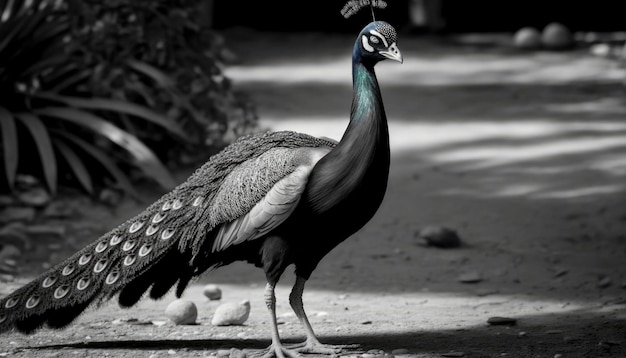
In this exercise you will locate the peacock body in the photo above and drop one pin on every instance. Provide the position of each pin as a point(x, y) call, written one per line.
point(272, 199)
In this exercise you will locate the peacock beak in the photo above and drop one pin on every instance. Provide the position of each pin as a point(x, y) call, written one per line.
point(392, 53)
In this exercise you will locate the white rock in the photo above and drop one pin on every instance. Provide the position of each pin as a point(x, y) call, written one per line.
point(527, 38)
point(212, 292)
point(231, 313)
point(556, 36)
point(182, 312)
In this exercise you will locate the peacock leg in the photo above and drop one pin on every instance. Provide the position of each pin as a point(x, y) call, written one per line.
point(276, 349)
point(312, 344)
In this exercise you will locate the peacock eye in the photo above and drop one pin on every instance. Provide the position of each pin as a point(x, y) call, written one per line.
point(374, 39)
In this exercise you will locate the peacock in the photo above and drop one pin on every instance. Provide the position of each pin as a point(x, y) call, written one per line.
point(272, 199)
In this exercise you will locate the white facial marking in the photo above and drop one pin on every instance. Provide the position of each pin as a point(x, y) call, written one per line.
point(366, 44)
point(376, 33)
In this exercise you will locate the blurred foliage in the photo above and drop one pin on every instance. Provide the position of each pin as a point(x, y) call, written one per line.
point(95, 94)
point(159, 53)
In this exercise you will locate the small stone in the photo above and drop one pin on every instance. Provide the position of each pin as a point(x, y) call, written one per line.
point(527, 38)
point(182, 312)
point(558, 355)
point(35, 197)
point(212, 292)
point(439, 237)
point(522, 334)
point(470, 277)
point(231, 313)
point(223, 353)
point(13, 214)
point(501, 321)
point(600, 50)
point(556, 36)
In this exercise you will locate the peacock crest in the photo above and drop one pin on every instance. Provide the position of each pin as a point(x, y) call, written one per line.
point(353, 6)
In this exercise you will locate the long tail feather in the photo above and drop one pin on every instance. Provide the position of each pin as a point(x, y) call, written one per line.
point(169, 242)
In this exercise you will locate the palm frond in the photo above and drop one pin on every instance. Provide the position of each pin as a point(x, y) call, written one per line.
point(144, 158)
point(126, 107)
point(9, 145)
point(41, 137)
point(75, 163)
point(115, 172)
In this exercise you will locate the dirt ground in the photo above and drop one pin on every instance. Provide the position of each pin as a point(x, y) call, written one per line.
point(522, 154)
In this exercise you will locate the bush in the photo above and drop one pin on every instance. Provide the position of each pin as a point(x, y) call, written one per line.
point(101, 91)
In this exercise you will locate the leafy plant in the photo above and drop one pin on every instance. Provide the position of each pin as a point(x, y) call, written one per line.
point(83, 87)
point(159, 53)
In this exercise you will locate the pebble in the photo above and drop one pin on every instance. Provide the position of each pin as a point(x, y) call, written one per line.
point(231, 313)
point(501, 321)
point(182, 312)
point(527, 38)
point(470, 277)
point(37, 197)
point(439, 237)
point(556, 36)
point(212, 292)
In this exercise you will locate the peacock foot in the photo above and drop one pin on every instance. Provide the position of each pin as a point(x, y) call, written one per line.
point(314, 347)
point(275, 351)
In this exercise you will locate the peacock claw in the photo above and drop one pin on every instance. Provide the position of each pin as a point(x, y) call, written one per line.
point(274, 351)
point(319, 348)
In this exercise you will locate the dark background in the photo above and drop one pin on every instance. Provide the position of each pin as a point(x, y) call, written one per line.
point(460, 15)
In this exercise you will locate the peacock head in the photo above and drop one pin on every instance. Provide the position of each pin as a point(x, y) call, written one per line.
point(377, 42)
